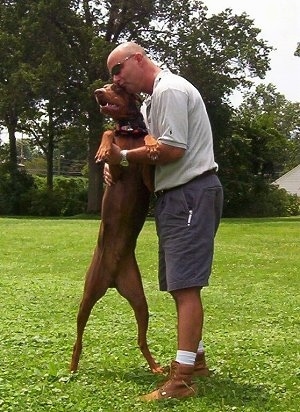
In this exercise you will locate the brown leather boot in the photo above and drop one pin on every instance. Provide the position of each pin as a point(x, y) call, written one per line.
point(201, 368)
point(179, 384)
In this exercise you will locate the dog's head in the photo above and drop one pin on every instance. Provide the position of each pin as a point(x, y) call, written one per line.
point(115, 102)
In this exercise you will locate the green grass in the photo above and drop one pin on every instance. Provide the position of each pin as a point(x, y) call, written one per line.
point(251, 329)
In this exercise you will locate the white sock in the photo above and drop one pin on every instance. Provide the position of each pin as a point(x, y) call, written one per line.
point(185, 357)
point(200, 347)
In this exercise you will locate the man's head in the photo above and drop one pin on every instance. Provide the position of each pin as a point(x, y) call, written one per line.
point(131, 68)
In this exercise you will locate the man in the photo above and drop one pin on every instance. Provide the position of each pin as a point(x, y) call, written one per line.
point(189, 199)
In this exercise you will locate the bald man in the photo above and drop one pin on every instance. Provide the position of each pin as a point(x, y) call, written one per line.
point(189, 199)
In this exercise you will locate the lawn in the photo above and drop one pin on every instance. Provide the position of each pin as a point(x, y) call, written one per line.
point(252, 329)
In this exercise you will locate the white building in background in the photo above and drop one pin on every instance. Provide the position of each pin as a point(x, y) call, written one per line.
point(290, 181)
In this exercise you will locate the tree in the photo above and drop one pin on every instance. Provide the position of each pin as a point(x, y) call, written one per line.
point(218, 54)
point(105, 23)
point(65, 45)
point(264, 144)
point(55, 75)
point(275, 122)
point(14, 80)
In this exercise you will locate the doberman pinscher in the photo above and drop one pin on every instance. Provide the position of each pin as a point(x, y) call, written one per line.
point(124, 209)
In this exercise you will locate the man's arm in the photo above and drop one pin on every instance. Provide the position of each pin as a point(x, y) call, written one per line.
point(165, 154)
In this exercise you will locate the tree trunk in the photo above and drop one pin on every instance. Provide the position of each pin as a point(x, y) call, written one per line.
point(50, 150)
point(50, 164)
point(95, 189)
point(11, 121)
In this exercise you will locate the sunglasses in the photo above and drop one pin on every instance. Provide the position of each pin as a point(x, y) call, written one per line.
point(116, 69)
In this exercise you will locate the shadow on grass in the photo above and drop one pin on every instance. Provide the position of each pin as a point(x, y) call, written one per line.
point(225, 390)
point(215, 390)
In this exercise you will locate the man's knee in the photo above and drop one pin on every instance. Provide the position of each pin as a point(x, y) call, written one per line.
point(181, 295)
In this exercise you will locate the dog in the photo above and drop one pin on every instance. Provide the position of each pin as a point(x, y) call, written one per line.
point(124, 209)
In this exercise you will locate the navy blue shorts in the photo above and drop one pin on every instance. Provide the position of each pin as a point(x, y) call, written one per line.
point(187, 219)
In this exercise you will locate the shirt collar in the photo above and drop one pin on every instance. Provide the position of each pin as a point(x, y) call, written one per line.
point(162, 73)
point(157, 79)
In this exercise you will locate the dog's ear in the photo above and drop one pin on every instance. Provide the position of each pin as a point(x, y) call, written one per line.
point(133, 106)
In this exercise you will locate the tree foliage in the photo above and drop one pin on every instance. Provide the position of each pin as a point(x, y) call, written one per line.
point(264, 145)
point(15, 88)
point(274, 122)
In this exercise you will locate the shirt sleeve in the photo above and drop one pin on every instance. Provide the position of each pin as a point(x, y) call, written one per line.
point(171, 117)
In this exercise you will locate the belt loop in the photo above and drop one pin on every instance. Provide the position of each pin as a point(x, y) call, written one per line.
point(159, 193)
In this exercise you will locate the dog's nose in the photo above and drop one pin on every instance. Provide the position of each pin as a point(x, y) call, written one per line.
point(98, 95)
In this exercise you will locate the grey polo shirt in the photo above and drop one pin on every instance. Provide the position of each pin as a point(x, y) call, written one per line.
point(175, 113)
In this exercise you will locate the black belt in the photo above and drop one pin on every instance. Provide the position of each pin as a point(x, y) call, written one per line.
point(159, 193)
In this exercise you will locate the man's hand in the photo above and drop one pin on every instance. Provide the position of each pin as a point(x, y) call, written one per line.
point(107, 177)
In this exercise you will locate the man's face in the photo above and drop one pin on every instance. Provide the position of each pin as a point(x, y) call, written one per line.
point(125, 71)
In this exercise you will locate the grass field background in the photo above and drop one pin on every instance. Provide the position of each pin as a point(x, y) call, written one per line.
point(251, 332)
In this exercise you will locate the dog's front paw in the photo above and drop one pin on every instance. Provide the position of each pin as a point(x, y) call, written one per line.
point(150, 141)
point(152, 147)
point(102, 153)
point(104, 149)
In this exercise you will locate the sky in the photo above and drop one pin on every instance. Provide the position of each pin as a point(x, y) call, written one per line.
point(279, 22)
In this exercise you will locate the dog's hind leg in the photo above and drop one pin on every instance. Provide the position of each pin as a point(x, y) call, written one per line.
point(129, 285)
point(94, 288)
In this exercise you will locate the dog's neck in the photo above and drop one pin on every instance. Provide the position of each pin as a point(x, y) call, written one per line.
point(131, 127)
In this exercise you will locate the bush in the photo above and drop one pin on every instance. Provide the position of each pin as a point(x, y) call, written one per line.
point(74, 192)
point(23, 194)
point(261, 199)
point(273, 202)
point(68, 197)
point(16, 189)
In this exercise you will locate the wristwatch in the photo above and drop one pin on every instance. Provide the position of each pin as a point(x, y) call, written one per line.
point(124, 161)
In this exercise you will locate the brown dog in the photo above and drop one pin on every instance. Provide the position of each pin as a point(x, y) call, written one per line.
point(124, 209)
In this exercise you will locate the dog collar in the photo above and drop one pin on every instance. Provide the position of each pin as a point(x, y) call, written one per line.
point(128, 130)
